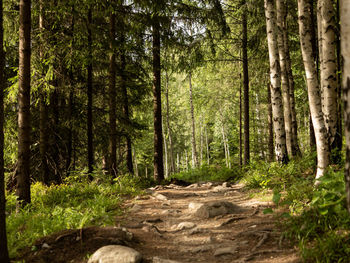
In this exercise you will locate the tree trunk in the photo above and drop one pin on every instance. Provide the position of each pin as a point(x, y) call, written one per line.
point(24, 122)
point(338, 142)
point(281, 13)
point(276, 97)
point(166, 166)
point(345, 51)
point(90, 102)
point(4, 256)
point(112, 102)
point(157, 104)
point(240, 124)
point(171, 150)
point(245, 85)
point(207, 145)
point(126, 113)
point(43, 136)
point(270, 122)
point(329, 69)
point(193, 138)
point(313, 88)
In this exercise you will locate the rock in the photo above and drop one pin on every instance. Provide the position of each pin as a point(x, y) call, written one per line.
point(160, 260)
point(225, 251)
point(212, 209)
point(142, 197)
point(185, 225)
point(149, 191)
point(220, 189)
point(160, 197)
point(201, 249)
point(115, 254)
point(135, 208)
point(195, 231)
point(193, 186)
point(45, 245)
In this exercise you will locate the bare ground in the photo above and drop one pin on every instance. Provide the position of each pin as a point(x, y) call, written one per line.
point(247, 235)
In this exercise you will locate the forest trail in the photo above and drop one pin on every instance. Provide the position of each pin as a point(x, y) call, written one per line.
point(206, 222)
point(168, 225)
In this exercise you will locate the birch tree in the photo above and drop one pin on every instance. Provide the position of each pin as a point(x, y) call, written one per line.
point(275, 78)
point(313, 88)
point(327, 27)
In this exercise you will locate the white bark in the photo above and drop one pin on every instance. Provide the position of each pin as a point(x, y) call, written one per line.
point(329, 67)
point(275, 78)
point(281, 11)
point(194, 147)
point(345, 50)
point(313, 88)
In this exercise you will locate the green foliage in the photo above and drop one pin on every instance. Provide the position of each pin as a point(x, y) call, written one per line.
point(209, 173)
point(317, 216)
point(67, 206)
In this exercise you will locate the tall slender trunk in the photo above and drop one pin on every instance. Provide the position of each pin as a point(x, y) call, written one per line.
point(338, 142)
point(4, 256)
point(24, 122)
point(43, 135)
point(166, 166)
point(276, 97)
point(240, 124)
point(157, 103)
point(315, 55)
point(313, 88)
point(270, 123)
point(193, 138)
point(329, 68)
point(345, 51)
point(112, 101)
point(281, 13)
point(70, 104)
point(245, 85)
point(90, 102)
point(126, 112)
point(171, 149)
point(207, 144)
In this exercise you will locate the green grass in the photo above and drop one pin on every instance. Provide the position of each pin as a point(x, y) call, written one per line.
point(317, 217)
point(75, 204)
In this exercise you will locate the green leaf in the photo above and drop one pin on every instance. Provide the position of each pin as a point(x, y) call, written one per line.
point(267, 211)
point(276, 198)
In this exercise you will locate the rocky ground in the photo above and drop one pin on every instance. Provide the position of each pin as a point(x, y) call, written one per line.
point(197, 223)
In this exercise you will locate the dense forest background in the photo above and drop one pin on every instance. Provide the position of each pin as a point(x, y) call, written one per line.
point(105, 90)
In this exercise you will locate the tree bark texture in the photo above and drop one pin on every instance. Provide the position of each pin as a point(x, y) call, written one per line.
point(112, 101)
point(275, 78)
point(43, 134)
point(90, 100)
point(313, 88)
point(240, 125)
point(270, 123)
point(193, 138)
point(345, 51)
point(246, 158)
point(157, 104)
point(169, 133)
point(4, 256)
point(329, 67)
point(24, 122)
point(281, 13)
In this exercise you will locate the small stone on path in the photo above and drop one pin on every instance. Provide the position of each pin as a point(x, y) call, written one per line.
point(161, 197)
point(225, 251)
point(115, 254)
point(184, 225)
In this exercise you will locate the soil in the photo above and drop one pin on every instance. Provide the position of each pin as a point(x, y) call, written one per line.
point(245, 235)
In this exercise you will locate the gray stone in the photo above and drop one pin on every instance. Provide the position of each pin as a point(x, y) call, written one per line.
point(135, 208)
point(115, 254)
point(193, 186)
point(225, 251)
point(185, 225)
point(161, 197)
point(161, 260)
point(212, 209)
point(45, 245)
point(220, 189)
point(200, 249)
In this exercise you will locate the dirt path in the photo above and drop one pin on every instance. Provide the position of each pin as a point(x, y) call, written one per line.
point(165, 227)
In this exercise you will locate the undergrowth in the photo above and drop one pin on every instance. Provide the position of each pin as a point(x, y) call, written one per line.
point(75, 204)
point(209, 173)
point(317, 218)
